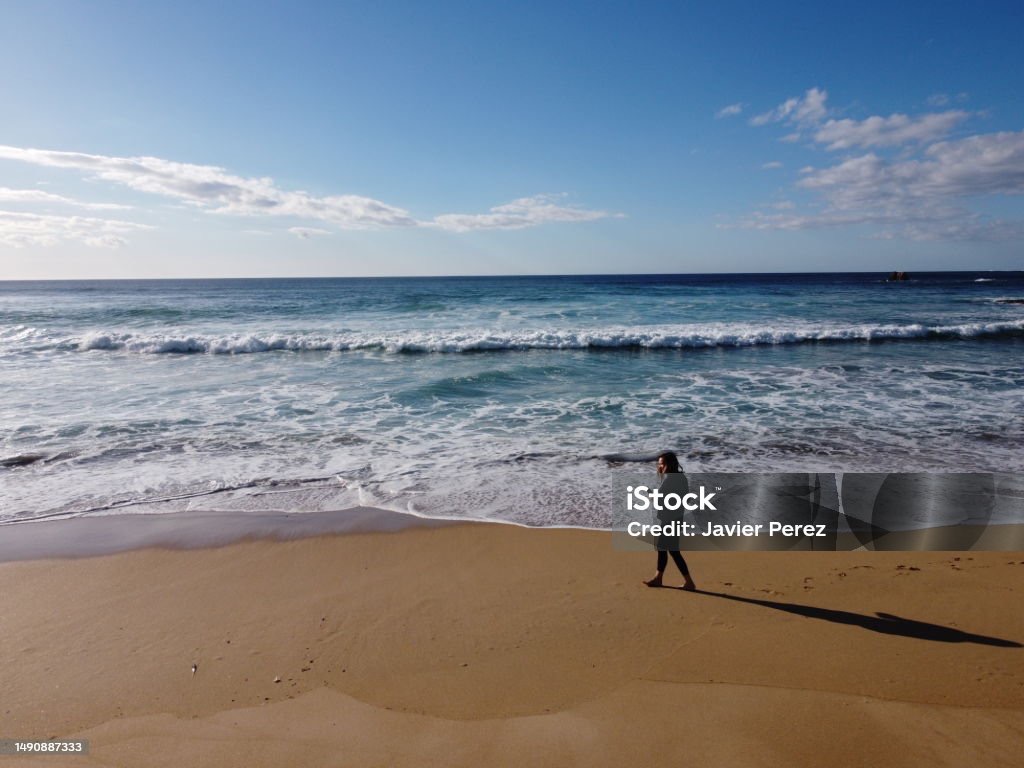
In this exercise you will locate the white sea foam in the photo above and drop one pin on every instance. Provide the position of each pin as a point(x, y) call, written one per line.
point(458, 341)
point(20, 333)
point(437, 447)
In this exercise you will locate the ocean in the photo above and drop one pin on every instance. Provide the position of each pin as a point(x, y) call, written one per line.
point(499, 398)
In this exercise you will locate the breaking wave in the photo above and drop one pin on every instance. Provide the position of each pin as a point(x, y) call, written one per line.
point(667, 337)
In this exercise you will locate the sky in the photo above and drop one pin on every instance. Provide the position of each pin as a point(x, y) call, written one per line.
point(145, 140)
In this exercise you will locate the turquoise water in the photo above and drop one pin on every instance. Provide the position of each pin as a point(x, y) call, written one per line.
point(498, 398)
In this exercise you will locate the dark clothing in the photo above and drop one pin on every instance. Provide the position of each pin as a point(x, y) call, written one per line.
point(673, 483)
point(664, 542)
point(669, 545)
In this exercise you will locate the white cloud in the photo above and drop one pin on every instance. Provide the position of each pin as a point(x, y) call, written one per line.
point(812, 108)
point(8, 195)
point(20, 230)
point(217, 190)
point(924, 190)
point(799, 110)
point(986, 164)
point(524, 212)
point(214, 190)
point(771, 166)
point(921, 198)
point(730, 111)
point(807, 115)
point(305, 233)
point(891, 131)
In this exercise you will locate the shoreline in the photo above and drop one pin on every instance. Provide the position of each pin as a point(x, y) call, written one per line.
point(469, 643)
point(100, 535)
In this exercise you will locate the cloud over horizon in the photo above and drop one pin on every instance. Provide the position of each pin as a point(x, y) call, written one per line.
point(22, 230)
point(919, 191)
point(521, 213)
point(215, 190)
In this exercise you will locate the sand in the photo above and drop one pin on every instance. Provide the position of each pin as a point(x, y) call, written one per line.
point(483, 644)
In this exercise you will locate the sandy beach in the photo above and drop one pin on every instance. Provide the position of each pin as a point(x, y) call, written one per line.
point(497, 645)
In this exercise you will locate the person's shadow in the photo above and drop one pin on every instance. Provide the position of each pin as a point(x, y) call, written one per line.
point(886, 623)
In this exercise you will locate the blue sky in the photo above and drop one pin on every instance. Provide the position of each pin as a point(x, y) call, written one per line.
point(257, 139)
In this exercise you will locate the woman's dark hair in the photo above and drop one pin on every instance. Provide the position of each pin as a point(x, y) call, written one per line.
point(671, 461)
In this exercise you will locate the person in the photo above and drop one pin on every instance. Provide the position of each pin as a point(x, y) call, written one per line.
point(673, 481)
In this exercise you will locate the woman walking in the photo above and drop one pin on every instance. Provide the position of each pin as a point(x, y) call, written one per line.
point(672, 481)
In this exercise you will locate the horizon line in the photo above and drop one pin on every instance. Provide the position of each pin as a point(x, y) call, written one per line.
point(500, 276)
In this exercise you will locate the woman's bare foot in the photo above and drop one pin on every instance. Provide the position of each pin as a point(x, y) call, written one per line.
point(689, 586)
point(655, 582)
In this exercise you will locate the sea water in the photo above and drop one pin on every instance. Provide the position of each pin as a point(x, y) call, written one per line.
point(491, 398)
